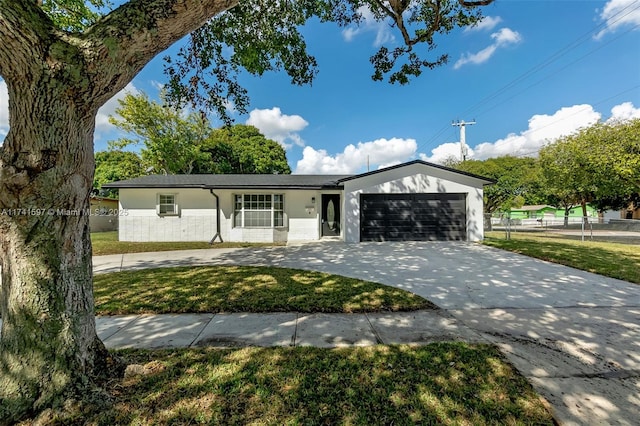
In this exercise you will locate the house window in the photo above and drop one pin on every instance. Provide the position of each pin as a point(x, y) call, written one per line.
point(167, 205)
point(258, 210)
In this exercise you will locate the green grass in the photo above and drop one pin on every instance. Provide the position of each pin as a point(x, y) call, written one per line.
point(107, 243)
point(614, 260)
point(244, 289)
point(441, 383)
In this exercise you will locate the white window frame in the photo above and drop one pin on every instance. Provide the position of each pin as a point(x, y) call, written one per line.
point(175, 211)
point(243, 203)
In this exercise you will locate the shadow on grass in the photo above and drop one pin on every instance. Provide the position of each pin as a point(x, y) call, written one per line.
point(444, 383)
point(215, 289)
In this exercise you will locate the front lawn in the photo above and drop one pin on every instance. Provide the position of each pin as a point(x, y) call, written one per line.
point(442, 383)
point(244, 289)
point(614, 260)
point(107, 243)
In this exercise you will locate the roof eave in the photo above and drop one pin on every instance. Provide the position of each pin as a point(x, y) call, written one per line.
point(437, 166)
point(204, 186)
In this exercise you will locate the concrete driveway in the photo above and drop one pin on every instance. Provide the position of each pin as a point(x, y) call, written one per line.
point(574, 335)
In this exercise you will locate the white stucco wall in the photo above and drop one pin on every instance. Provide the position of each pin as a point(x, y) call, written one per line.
point(197, 219)
point(140, 222)
point(415, 178)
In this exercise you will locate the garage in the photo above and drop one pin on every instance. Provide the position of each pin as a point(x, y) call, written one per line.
point(413, 217)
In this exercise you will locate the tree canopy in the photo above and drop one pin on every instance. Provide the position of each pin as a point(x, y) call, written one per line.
point(170, 138)
point(598, 164)
point(115, 165)
point(174, 141)
point(517, 181)
point(242, 149)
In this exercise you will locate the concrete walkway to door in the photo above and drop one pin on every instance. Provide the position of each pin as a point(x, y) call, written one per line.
point(574, 335)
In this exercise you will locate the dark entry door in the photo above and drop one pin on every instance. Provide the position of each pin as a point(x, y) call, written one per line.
point(330, 215)
point(413, 217)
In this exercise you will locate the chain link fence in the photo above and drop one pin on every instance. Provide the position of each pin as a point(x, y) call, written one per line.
point(583, 228)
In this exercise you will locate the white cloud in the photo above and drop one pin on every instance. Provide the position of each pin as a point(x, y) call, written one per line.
point(280, 127)
point(382, 29)
point(109, 108)
point(624, 111)
point(378, 153)
point(542, 129)
point(486, 24)
point(4, 109)
point(502, 38)
point(506, 36)
point(157, 85)
point(617, 14)
point(443, 152)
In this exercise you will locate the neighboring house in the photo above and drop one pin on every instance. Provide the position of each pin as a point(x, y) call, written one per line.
point(533, 212)
point(549, 212)
point(411, 201)
point(104, 214)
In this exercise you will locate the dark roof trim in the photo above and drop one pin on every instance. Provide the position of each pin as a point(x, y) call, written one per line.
point(266, 182)
point(425, 163)
point(270, 186)
point(242, 182)
point(125, 184)
point(203, 186)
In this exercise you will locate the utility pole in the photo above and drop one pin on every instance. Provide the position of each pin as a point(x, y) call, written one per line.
point(463, 143)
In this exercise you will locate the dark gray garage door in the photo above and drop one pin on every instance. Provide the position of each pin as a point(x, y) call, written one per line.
point(413, 217)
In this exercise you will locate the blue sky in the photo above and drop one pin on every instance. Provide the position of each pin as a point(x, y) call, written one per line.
point(531, 72)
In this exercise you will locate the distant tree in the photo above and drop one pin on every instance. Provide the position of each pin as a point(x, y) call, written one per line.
point(598, 165)
point(170, 138)
point(517, 181)
point(566, 172)
point(613, 150)
point(242, 149)
point(114, 165)
point(451, 161)
point(173, 141)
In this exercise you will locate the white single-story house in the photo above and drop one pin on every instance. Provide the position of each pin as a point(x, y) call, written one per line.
point(412, 201)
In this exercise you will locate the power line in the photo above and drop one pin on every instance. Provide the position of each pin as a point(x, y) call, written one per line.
point(554, 57)
point(575, 113)
point(557, 71)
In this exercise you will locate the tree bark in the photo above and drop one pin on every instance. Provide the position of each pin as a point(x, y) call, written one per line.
point(585, 219)
point(49, 349)
point(49, 344)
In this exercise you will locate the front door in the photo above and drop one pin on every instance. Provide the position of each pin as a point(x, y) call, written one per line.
point(330, 215)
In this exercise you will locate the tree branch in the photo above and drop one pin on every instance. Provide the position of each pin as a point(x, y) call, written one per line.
point(124, 41)
point(475, 3)
point(23, 26)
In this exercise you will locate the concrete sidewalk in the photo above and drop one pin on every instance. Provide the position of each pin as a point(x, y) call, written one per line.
point(281, 329)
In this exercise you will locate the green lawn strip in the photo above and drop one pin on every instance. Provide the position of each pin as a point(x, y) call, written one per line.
point(244, 289)
point(107, 243)
point(441, 383)
point(609, 259)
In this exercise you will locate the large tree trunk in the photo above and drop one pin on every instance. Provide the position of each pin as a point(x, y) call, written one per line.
point(49, 349)
point(57, 80)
